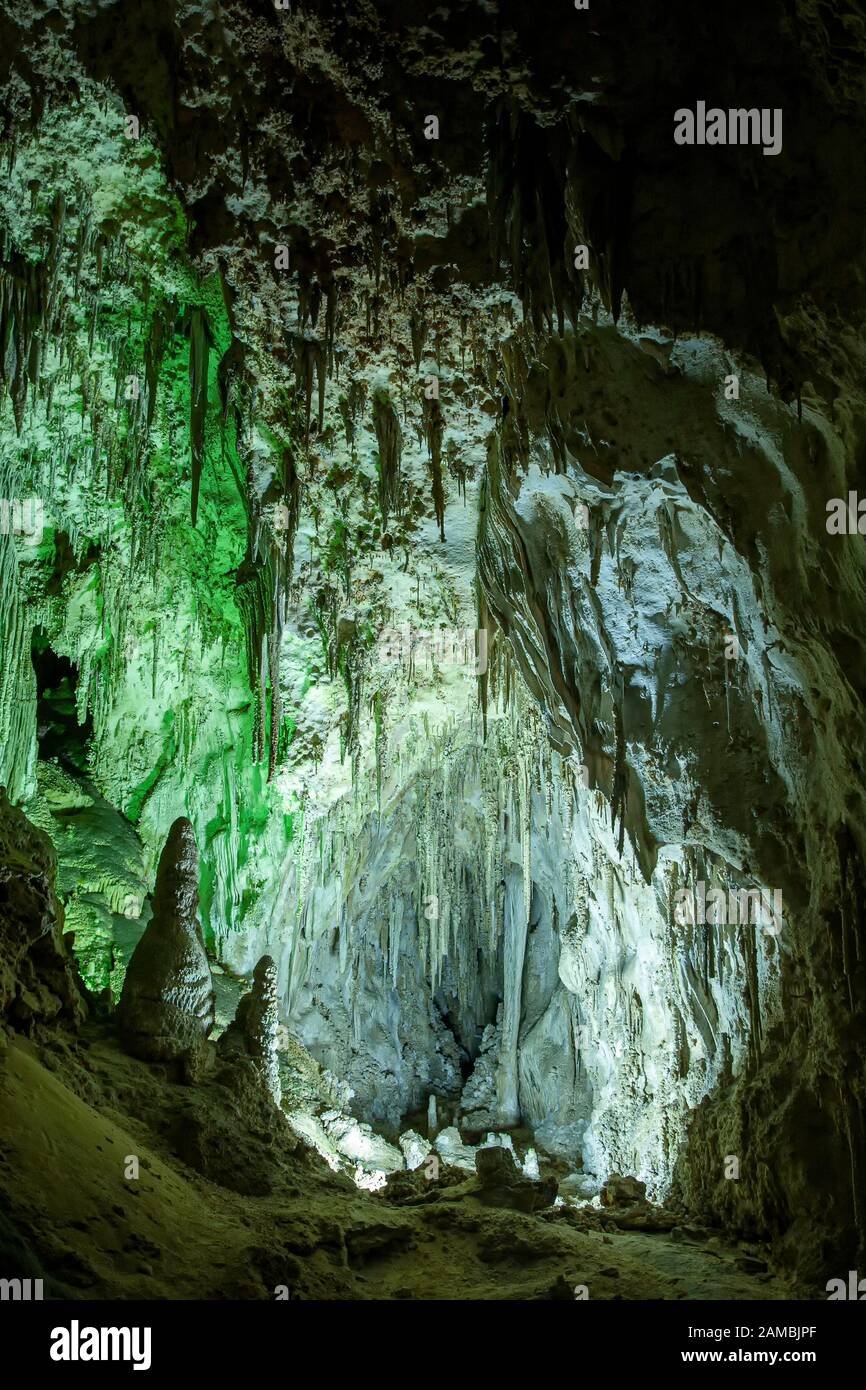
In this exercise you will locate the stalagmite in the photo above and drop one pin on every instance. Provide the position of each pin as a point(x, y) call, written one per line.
point(253, 1032)
point(166, 1010)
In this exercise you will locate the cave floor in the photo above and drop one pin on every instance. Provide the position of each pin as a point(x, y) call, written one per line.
point(73, 1112)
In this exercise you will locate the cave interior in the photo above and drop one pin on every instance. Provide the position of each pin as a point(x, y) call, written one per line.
point(432, 594)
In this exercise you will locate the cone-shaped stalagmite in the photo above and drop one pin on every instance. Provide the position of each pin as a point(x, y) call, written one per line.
point(167, 1004)
point(254, 1030)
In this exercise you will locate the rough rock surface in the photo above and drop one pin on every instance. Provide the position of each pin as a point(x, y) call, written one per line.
point(39, 983)
point(186, 1227)
point(501, 1183)
point(166, 1010)
point(255, 1027)
point(622, 1192)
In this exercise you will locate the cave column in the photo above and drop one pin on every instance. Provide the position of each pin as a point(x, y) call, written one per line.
point(514, 945)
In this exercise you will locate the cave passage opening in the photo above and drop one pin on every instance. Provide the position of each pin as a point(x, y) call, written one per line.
point(60, 735)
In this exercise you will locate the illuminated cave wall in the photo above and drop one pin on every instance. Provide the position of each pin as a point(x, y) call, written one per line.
point(223, 332)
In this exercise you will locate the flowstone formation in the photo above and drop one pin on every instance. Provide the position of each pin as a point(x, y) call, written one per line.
point(166, 1010)
point(415, 467)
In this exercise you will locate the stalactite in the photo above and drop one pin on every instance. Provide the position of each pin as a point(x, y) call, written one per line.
point(418, 333)
point(23, 295)
point(235, 388)
point(253, 596)
point(330, 325)
point(433, 430)
point(350, 406)
point(619, 794)
point(310, 369)
point(158, 337)
point(390, 440)
point(200, 342)
point(526, 179)
point(379, 747)
point(485, 626)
